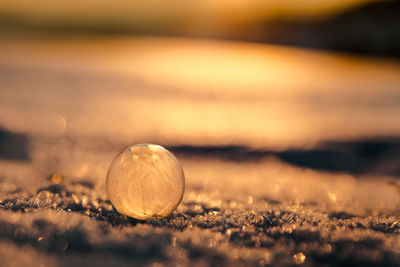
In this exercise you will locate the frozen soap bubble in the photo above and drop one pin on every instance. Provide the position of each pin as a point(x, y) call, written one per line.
point(145, 181)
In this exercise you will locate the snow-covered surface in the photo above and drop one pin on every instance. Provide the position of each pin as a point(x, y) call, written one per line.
point(68, 108)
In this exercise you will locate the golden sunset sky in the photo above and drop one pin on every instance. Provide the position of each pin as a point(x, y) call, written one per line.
point(178, 13)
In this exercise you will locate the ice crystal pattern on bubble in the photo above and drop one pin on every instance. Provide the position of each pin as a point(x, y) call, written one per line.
point(145, 181)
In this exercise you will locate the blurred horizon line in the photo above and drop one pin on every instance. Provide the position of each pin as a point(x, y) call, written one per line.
point(365, 27)
point(367, 156)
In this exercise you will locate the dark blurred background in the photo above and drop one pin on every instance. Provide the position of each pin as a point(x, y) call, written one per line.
point(359, 26)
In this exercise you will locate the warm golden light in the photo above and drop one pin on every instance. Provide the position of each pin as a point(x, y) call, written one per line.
point(277, 124)
point(178, 16)
point(198, 92)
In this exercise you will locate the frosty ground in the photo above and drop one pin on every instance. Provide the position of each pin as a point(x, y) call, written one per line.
point(262, 212)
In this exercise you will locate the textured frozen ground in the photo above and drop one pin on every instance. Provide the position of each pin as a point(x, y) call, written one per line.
point(233, 213)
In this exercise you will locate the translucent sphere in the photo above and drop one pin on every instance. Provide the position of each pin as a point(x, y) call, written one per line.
point(145, 181)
